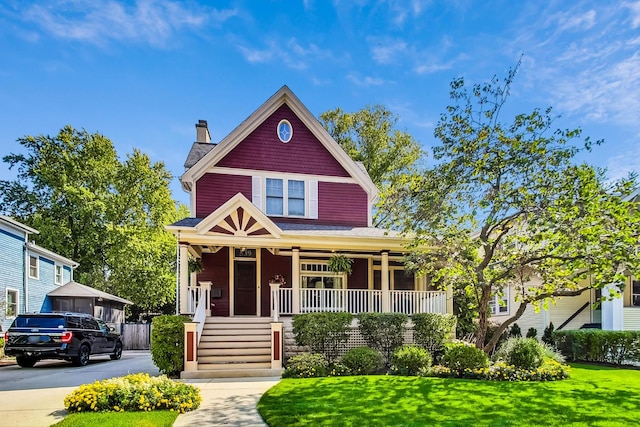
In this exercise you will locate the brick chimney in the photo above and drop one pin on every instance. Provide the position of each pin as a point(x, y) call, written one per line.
point(202, 131)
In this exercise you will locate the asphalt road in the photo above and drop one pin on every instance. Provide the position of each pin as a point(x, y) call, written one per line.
point(58, 373)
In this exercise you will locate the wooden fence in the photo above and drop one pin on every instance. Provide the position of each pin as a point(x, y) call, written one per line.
point(136, 336)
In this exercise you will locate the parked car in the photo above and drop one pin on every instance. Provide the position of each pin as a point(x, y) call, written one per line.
point(67, 336)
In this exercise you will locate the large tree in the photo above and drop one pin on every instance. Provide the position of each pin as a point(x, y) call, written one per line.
point(108, 215)
point(505, 205)
point(389, 155)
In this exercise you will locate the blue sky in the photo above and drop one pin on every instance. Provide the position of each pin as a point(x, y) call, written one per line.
point(143, 72)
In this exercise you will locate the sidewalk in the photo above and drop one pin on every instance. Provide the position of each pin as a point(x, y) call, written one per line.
point(227, 402)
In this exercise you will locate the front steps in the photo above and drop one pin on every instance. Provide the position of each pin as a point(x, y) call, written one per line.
point(235, 347)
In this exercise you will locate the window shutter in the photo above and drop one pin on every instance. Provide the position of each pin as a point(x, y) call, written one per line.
point(256, 192)
point(313, 199)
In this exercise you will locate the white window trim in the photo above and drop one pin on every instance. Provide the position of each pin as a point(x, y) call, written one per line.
point(6, 299)
point(494, 303)
point(259, 195)
point(320, 273)
point(57, 266)
point(37, 275)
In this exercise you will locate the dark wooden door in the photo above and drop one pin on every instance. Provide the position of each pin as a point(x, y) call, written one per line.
point(244, 288)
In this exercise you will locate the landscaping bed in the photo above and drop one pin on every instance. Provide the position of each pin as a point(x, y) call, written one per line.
point(593, 395)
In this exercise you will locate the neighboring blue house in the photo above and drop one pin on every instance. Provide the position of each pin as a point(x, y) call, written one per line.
point(27, 272)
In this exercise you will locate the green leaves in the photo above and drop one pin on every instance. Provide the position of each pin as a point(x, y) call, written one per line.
point(108, 215)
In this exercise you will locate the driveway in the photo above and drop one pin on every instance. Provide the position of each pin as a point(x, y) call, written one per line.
point(35, 396)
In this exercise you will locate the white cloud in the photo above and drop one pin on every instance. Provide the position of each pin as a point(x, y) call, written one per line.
point(634, 9)
point(99, 22)
point(386, 51)
point(627, 161)
point(366, 81)
point(289, 52)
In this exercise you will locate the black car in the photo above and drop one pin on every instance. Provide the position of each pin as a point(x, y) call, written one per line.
point(67, 336)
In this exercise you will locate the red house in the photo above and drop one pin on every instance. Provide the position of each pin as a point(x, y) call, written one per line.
point(278, 197)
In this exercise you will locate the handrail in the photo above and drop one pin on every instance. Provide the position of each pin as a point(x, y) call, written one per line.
point(573, 316)
point(200, 316)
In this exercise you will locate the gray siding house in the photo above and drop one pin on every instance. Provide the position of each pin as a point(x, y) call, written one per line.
point(28, 272)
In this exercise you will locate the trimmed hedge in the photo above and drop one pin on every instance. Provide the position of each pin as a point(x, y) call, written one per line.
point(461, 356)
point(167, 343)
point(433, 330)
point(383, 331)
point(410, 360)
point(306, 365)
point(325, 333)
point(363, 361)
point(595, 345)
point(523, 353)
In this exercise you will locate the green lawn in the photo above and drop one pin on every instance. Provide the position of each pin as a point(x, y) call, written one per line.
point(119, 419)
point(593, 396)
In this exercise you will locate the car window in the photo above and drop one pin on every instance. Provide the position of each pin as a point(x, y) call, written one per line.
point(89, 323)
point(39, 322)
point(103, 326)
point(74, 322)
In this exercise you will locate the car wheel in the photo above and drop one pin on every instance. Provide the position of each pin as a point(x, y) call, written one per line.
point(25, 361)
point(83, 356)
point(117, 352)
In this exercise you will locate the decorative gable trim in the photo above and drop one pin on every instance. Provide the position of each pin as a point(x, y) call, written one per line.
point(281, 97)
point(238, 217)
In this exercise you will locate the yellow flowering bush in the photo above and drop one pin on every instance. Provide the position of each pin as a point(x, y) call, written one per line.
point(550, 370)
point(135, 392)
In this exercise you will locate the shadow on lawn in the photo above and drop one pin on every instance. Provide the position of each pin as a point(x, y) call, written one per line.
point(437, 401)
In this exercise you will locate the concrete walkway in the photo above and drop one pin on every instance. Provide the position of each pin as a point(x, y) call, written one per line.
point(227, 402)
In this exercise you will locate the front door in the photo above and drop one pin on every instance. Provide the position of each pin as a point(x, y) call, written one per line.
point(244, 284)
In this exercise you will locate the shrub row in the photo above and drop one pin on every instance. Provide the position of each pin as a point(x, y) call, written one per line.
point(135, 392)
point(550, 370)
point(327, 333)
point(595, 345)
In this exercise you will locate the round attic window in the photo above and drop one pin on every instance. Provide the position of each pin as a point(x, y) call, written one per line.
point(285, 131)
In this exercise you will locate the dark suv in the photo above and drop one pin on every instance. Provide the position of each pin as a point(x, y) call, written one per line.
point(67, 336)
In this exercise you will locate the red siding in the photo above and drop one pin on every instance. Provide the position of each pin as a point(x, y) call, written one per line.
point(216, 269)
point(213, 190)
point(272, 265)
point(262, 150)
point(344, 204)
point(359, 277)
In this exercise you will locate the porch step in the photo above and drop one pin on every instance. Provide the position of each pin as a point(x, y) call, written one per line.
point(236, 366)
point(235, 337)
point(232, 373)
point(220, 359)
point(234, 347)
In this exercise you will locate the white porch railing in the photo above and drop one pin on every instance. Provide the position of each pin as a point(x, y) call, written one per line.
point(358, 301)
point(198, 303)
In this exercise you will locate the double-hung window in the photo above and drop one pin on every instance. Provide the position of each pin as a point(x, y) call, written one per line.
point(59, 275)
point(285, 197)
point(295, 198)
point(635, 293)
point(275, 196)
point(34, 267)
point(499, 303)
point(12, 303)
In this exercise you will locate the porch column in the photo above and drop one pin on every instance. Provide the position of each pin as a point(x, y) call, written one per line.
point(384, 282)
point(612, 311)
point(449, 308)
point(184, 277)
point(295, 280)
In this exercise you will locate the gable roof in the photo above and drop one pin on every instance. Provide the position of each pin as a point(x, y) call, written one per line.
point(22, 227)
point(75, 289)
point(281, 97)
point(238, 217)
